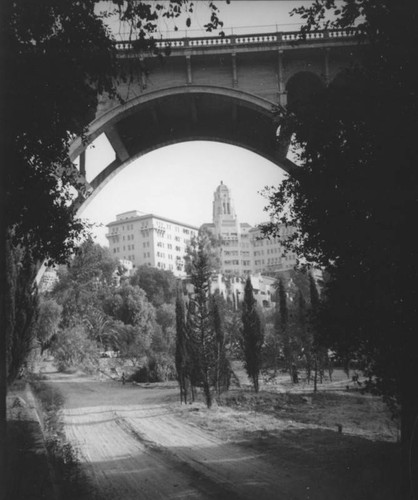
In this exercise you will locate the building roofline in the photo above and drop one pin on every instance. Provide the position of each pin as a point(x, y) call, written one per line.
point(147, 216)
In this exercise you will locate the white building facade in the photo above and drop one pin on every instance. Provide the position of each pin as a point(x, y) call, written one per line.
point(268, 255)
point(244, 250)
point(148, 239)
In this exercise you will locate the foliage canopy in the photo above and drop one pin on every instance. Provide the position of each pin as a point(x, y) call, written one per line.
point(354, 197)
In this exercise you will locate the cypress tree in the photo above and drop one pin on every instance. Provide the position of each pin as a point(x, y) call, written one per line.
point(318, 361)
point(22, 308)
point(283, 326)
point(222, 369)
point(199, 265)
point(182, 356)
point(252, 335)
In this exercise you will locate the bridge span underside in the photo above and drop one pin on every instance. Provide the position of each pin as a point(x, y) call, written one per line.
point(198, 116)
point(189, 114)
point(215, 89)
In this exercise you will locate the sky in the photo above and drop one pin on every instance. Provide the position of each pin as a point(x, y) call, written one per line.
point(178, 181)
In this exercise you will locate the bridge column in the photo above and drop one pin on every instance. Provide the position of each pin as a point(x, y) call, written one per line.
point(326, 66)
point(117, 144)
point(83, 164)
point(234, 70)
point(280, 79)
point(143, 75)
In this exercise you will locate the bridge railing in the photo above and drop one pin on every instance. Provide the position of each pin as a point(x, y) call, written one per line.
point(240, 40)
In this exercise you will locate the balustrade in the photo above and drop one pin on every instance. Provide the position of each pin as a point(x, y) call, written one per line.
point(241, 40)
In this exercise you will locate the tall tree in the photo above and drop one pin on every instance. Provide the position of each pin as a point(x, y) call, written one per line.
point(183, 352)
point(222, 366)
point(72, 348)
point(99, 326)
point(48, 321)
point(165, 317)
point(22, 308)
point(252, 335)
point(84, 282)
point(317, 348)
point(130, 305)
point(56, 58)
point(158, 284)
point(199, 260)
point(282, 327)
point(355, 197)
point(304, 334)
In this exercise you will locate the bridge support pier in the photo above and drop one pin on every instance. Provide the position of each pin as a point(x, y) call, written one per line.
point(280, 79)
point(326, 66)
point(189, 69)
point(234, 70)
point(282, 98)
point(83, 163)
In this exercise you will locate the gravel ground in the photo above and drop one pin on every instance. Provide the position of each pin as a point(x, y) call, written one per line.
point(138, 442)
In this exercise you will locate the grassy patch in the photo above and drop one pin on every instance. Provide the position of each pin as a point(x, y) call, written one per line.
point(355, 414)
point(62, 456)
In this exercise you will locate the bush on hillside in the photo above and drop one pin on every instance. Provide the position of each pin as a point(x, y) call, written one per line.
point(158, 368)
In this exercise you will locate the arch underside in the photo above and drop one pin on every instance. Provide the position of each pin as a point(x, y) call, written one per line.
point(186, 115)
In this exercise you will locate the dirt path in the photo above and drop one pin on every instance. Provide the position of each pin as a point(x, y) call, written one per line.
point(144, 451)
point(136, 444)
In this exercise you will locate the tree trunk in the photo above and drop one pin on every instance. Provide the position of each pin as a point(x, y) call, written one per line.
point(208, 396)
point(316, 374)
point(218, 370)
point(4, 149)
point(255, 383)
point(3, 290)
point(409, 442)
point(3, 366)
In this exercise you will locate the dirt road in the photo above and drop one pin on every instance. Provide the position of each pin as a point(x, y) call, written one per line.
point(134, 444)
point(135, 447)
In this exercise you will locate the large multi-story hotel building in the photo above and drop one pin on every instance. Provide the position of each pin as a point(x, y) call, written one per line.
point(148, 239)
point(243, 248)
point(235, 252)
point(268, 255)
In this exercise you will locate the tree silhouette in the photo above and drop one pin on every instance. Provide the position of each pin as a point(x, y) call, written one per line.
point(354, 198)
point(56, 59)
point(252, 335)
point(183, 351)
point(223, 367)
point(199, 264)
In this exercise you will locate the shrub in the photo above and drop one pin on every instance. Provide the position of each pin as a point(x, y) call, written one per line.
point(158, 368)
point(73, 349)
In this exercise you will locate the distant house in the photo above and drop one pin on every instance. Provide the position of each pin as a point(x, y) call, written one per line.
point(232, 288)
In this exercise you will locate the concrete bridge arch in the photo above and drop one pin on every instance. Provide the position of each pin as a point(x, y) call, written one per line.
point(180, 114)
point(214, 89)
